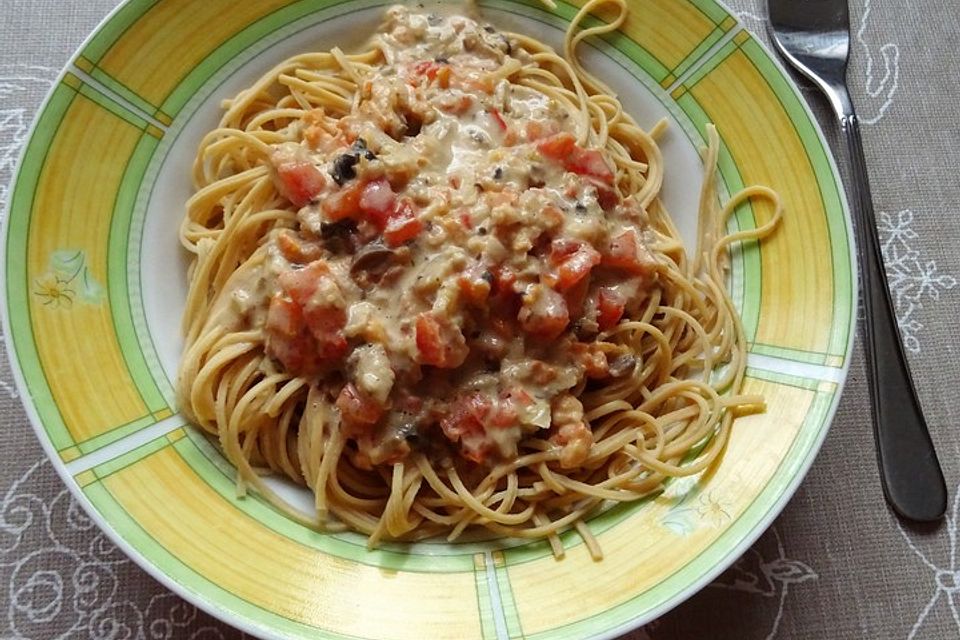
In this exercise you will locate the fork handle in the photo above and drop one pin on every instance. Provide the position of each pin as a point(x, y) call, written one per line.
point(909, 470)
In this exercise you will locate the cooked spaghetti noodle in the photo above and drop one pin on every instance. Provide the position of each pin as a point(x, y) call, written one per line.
point(433, 281)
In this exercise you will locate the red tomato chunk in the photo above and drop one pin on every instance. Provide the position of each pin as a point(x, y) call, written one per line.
point(377, 201)
point(305, 321)
point(544, 313)
point(299, 182)
point(610, 306)
point(357, 409)
point(573, 261)
point(402, 226)
point(440, 342)
point(628, 253)
point(563, 148)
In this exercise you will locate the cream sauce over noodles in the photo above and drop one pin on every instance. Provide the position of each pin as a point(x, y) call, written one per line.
point(456, 254)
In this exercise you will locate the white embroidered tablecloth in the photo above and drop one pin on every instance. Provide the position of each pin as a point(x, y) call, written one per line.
point(837, 564)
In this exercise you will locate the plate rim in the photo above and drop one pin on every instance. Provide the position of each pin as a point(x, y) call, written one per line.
point(226, 616)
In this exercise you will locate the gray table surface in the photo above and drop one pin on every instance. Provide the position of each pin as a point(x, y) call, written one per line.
point(836, 564)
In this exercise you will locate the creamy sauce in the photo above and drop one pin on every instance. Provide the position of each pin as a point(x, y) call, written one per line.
point(456, 255)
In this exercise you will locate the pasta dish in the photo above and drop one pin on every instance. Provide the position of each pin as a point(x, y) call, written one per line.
point(433, 282)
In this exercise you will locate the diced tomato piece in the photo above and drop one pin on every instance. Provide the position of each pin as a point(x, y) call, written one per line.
point(558, 146)
point(466, 220)
point(563, 148)
point(284, 317)
point(474, 288)
point(466, 422)
point(544, 313)
point(479, 406)
point(357, 409)
point(498, 118)
point(576, 298)
point(607, 196)
point(610, 306)
point(344, 203)
point(572, 261)
point(326, 325)
point(563, 248)
point(301, 284)
point(378, 201)
point(314, 290)
point(299, 182)
point(627, 252)
point(465, 417)
point(504, 415)
point(403, 225)
point(589, 162)
point(288, 339)
point(298, 354)
point(427, 68)
point(296, 249)
point(503, 281)
point(440, 342)
point(505, 411)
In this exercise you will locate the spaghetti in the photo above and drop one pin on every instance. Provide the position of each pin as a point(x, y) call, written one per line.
point(433, 282)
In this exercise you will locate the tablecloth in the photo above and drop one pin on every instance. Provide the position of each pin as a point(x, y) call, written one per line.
point(836, 564)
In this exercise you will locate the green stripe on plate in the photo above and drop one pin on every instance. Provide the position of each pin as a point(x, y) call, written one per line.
point(243, 40)
point(713, 10)
point(809, 384)
point(796, 355)
point(121, 90)
point(130, 458)
point(712, 38)
point(116, 433)
point(92, 94)
point(18, 287)
point(507, 601)
point(488, 625)
point(703, 70)
point(111, 30)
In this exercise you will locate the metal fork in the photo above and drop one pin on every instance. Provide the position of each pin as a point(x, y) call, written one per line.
point(814, 36)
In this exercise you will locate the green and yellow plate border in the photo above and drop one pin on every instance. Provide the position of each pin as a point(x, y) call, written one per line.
point(103, 407)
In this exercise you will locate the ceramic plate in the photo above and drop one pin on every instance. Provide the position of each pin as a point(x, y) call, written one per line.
point(95, 283)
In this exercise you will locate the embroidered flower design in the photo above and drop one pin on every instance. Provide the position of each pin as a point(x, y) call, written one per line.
point(913, 280)
point(946, 576)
